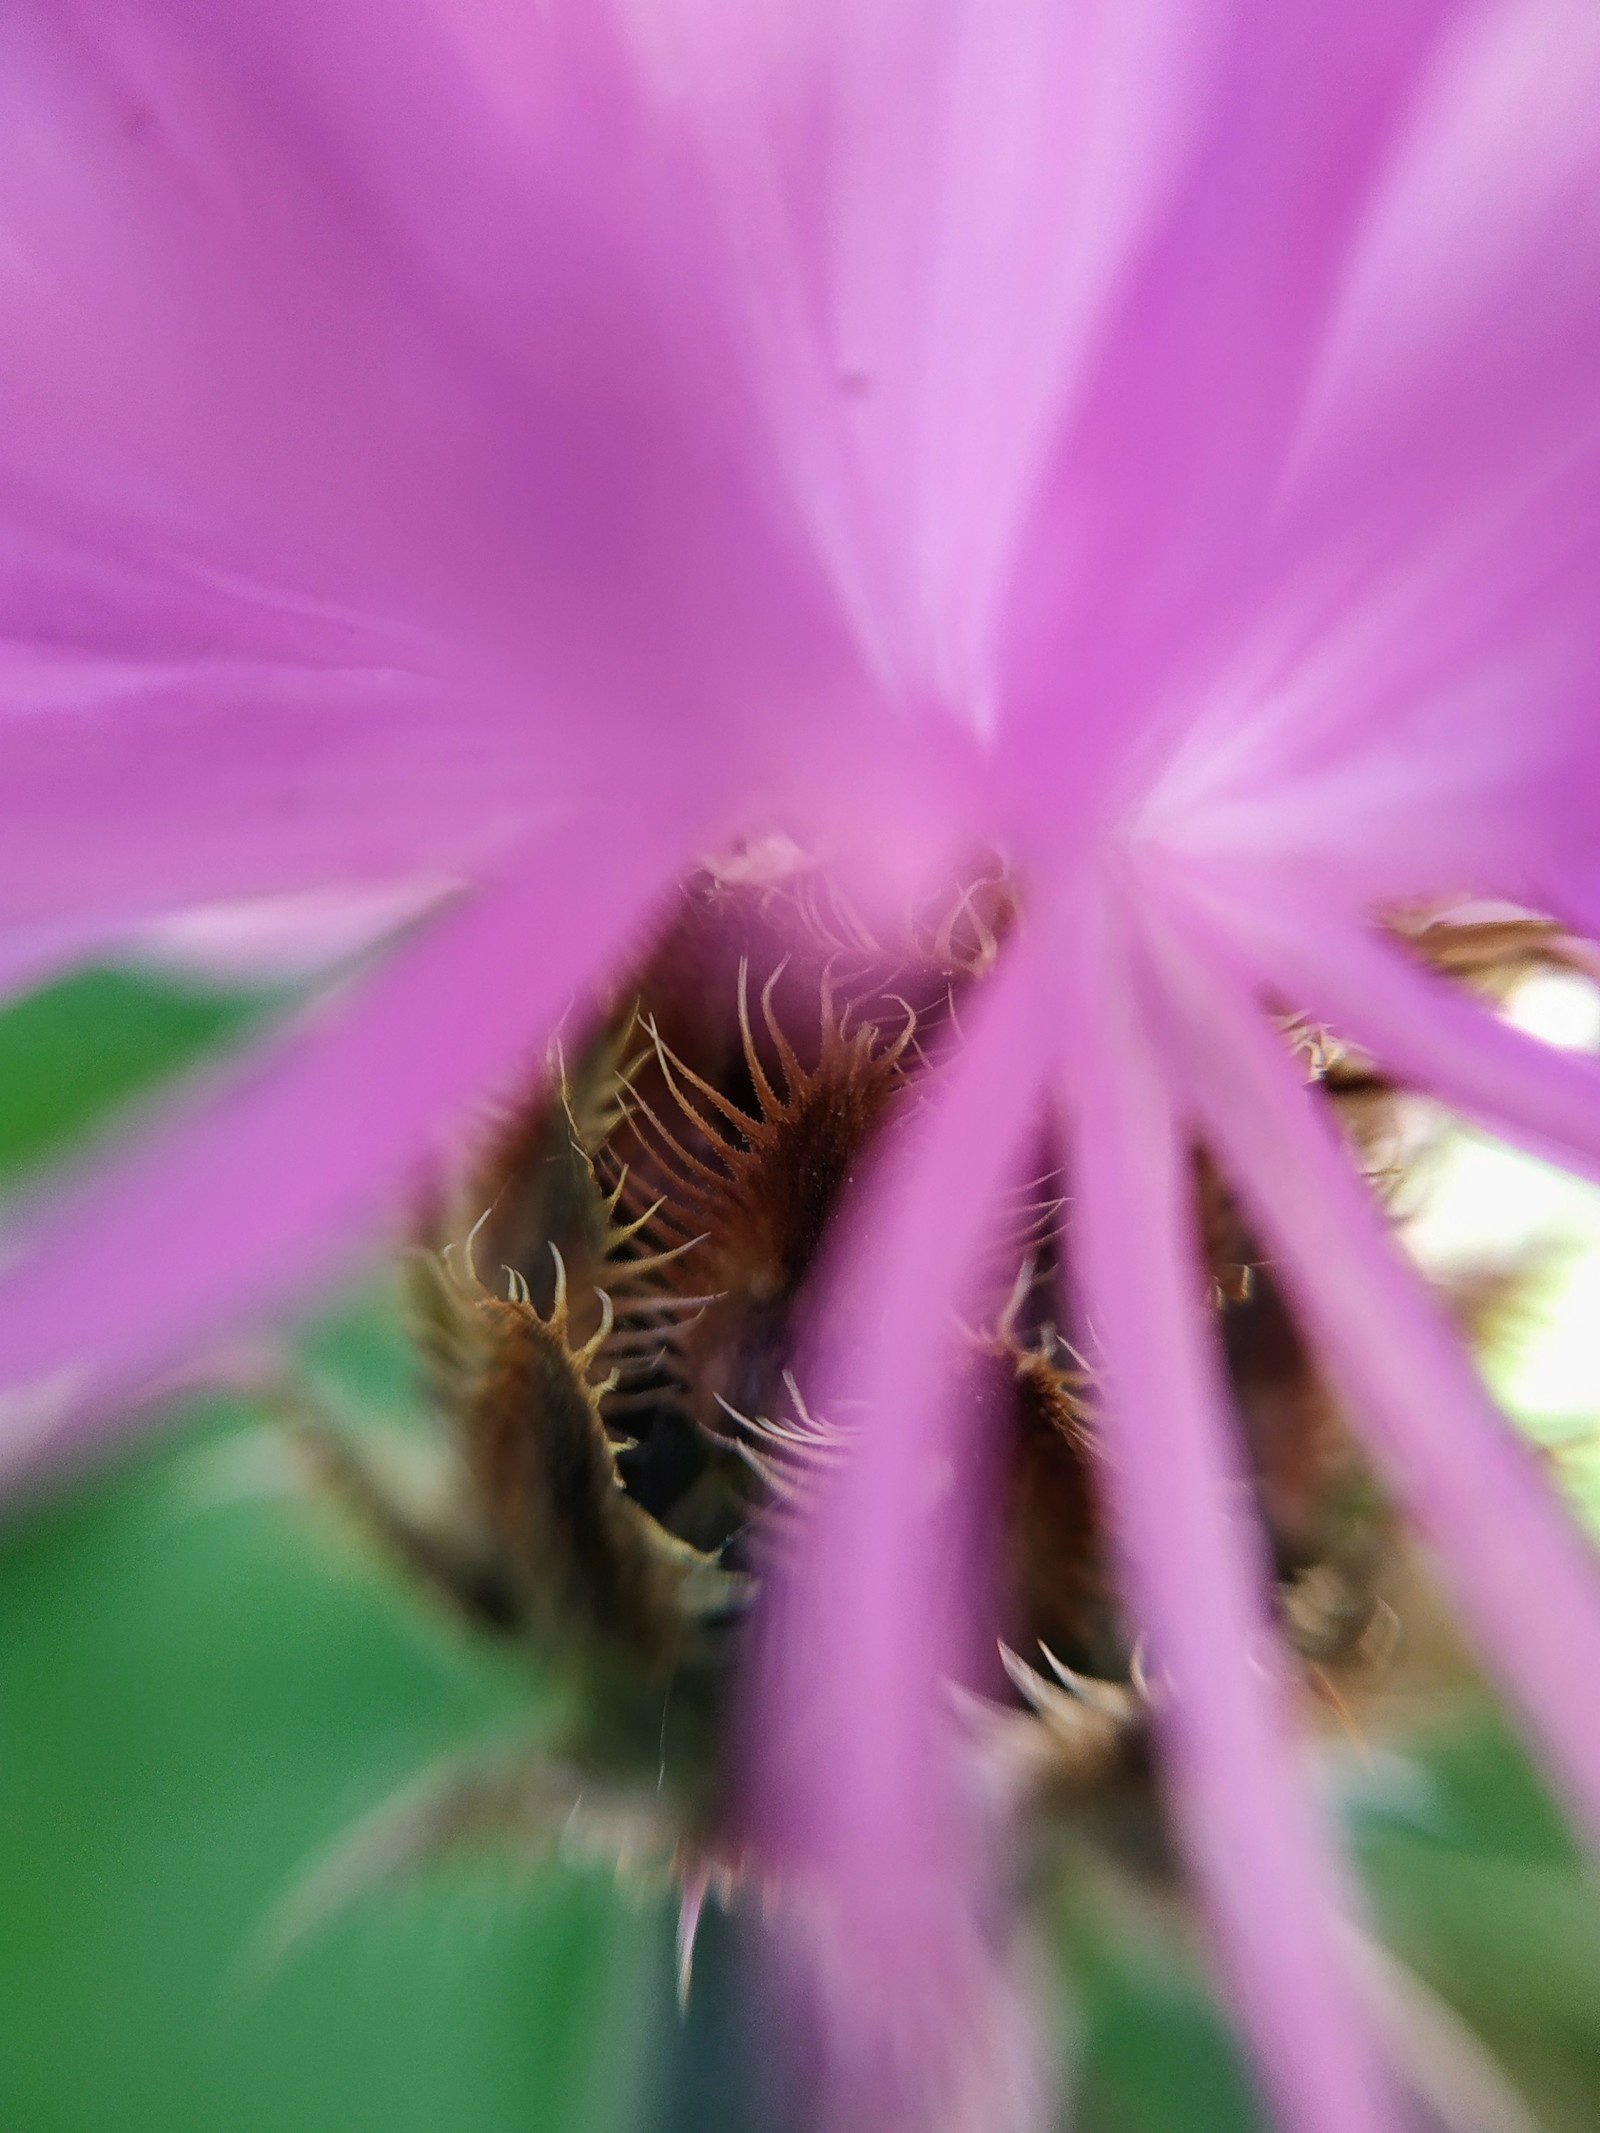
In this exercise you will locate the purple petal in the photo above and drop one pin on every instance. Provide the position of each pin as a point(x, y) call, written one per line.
point(1407, 708)
point(1198, 1581)
point(255, 1193)
point(1427, 1033)
point(1151, 528)
point(132, 788)
point(873, 1606)
point(1524, 1581)
point(33, 955)
point(932, 209)
point(120, 596)
point(1463, 352)
point(407, 312)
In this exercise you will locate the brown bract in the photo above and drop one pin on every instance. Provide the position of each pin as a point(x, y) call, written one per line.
point(612, 1316)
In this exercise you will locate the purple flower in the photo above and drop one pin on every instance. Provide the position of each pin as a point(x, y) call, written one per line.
point(493, 454)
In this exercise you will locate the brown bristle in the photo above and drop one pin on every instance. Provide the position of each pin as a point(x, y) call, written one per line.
point(1061, 1569)
point(753, 1188)
point(596, 1567)
point(628, 1411)
point(1492, 955)
point(535, 1184)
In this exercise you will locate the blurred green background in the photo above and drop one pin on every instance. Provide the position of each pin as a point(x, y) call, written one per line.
point(202, 1687)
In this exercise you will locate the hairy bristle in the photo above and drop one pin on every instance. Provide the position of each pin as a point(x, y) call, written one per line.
point(613, 1332)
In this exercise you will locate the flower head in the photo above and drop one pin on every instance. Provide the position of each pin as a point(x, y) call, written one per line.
point(501, 454)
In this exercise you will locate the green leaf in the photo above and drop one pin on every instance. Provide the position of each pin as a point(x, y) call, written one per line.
point(200, 1697)
point(77, 1052)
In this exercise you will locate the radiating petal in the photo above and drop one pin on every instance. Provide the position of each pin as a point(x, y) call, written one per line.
point(931, 208)
point(1409, 704)
point(318, 299)
point(1152, 526)
point(129, 788)
point(32, 955)
point(1523, 1580)
point(875, 1602)
point(256, 1192)
point(117, 596)
point(1428, 1034)
point(1390, 723)
point(1197, 1577)
point(1463, 350)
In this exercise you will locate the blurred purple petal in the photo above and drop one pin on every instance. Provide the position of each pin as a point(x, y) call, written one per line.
point(1198, 1579)
point(1525, 1581)
point(922, 309)
point(874, 1601)
point(1439, 695)
point(137, 789)
point(1460, 358)
point(298, 1154)
point(1428, 1034)
point(1150, 526)
point(350, 302)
